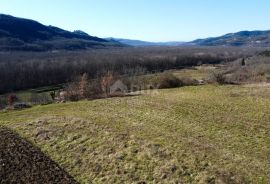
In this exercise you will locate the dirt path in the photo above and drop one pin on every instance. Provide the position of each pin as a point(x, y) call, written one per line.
point(20, 163)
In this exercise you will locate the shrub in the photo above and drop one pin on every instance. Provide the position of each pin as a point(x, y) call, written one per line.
point(218, 77)
point(189, 81)
point(84, 86)
point(241, 76)
point(265, 53)
point(157, 81)
point(256, 69)
point(106, 81)
point(52, 94)
point(11, 99)
point(71, 92)
point(262, 69)
point(168, 81)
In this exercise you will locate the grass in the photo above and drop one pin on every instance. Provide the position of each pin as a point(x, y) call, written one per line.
point(28, 95)
point(202, 134)
point(198, 73)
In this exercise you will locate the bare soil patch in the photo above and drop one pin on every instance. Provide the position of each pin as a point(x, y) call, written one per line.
point(20, 162)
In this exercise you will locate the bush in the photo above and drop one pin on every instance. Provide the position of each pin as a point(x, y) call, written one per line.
point(83, 88)
point(218, 77)
point(157, 81)
point(11, 99)
point(265, 53)
point(106, 81)
point(71, 92)
point(256, 69)
point(167, 81)
point(189, 81)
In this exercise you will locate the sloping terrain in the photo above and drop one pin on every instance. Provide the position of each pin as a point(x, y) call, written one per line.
point(243, 38)
point(201, 134)
point(20, 163)
point(28, 35)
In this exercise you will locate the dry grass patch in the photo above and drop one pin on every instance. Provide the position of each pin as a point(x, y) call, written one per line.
point(202, 134)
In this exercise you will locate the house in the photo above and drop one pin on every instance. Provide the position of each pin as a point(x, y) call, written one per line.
point(118, 87)
point(61, 97)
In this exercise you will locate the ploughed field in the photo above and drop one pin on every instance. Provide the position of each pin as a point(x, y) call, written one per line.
point(20, 162)
point(201, 134)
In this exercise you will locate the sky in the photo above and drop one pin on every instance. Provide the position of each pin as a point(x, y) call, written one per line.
point(149, 20)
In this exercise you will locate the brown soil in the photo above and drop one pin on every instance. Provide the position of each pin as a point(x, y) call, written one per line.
point(20, 162)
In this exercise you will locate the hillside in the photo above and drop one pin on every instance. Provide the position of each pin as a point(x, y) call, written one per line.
point(200, 134)
point(18, 34)
point(243, 38)
point(28, 35)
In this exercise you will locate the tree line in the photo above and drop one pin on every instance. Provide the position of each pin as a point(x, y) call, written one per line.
point(24, 70)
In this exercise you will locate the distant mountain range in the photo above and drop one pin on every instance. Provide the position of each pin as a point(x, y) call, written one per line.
point(18, 34)
point(28, 35)
point(243, 38)
point(139, 43)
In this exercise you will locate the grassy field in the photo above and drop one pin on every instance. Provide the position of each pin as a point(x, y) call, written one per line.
point(33, 96)
point(198, 73)
point(201, 134)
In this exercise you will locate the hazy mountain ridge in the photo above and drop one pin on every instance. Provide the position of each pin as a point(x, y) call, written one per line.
point(242, 38)
point(25, 34)
point(19, 34)
point(140, 43)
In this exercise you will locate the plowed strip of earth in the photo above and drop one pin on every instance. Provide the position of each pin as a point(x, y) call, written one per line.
point(20, 162)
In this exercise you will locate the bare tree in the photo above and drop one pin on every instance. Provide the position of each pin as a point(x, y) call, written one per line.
point(106, 82)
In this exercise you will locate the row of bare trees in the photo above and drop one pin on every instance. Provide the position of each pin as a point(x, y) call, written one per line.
point(20, 71)
point(85, 88)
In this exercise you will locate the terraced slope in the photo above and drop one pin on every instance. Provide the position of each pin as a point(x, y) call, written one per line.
point(203, 134)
